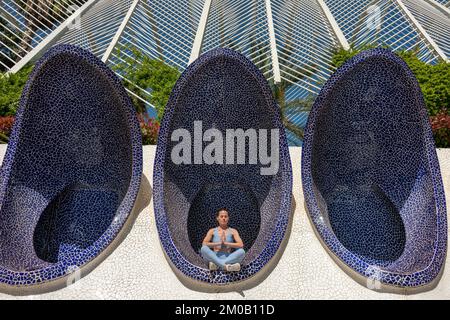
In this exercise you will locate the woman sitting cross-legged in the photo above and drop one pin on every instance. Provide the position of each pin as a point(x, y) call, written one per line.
point(223, 240)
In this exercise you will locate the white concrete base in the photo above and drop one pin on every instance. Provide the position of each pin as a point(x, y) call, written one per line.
point(137, 269)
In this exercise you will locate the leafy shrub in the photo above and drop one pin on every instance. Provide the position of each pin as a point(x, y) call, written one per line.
point(153, 75)
point(6, 125)
point(340, 55)
point(149, 129)
point(11, 86)
point(9, 47)
point(440, 124)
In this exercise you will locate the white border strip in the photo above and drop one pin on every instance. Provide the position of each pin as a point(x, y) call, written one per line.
point(37, 51)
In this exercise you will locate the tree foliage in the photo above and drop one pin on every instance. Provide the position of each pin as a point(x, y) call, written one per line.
point(11, 86)
point(42, 15)
point(152, 75)
point(296, 72)
point(8, 45)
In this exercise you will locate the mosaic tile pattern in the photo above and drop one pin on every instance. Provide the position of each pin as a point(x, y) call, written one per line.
point(72, 169)
point(370, 173)
point(224, 90)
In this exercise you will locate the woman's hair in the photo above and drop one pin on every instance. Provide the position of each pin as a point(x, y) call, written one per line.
point(221, 209)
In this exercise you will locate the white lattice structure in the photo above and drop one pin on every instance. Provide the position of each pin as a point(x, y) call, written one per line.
point(291, 41)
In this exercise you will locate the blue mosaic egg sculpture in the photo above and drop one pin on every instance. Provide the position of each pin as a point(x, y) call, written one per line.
point(371, 177)
point(221, 90)
point(71, 172)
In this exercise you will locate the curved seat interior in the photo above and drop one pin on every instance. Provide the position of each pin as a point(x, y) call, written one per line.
point(370, 168)
point(69, 171)
point(222, 94)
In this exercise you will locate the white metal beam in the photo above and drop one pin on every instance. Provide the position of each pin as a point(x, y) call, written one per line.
point(422, 32)
point(198, 40)
point(273, 44)
point(337, 31)
point(119, 32)
point(37, 51)
point(440, 7)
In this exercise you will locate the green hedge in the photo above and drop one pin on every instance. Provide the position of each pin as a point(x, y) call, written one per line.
point(153, 75)
point(10, 90)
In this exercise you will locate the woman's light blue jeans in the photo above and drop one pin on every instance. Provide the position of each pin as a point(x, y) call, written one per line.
point(220, 259)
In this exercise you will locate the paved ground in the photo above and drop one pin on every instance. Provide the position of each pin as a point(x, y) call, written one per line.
point(137, 269)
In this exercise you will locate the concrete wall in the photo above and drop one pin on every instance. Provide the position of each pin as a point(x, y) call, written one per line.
point(137, 269)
